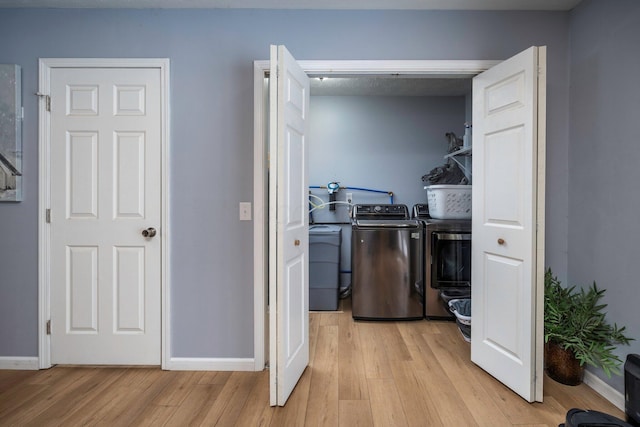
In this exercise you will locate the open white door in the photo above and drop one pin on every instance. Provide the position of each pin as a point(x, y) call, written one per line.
point(508, 221)
point(288, 224)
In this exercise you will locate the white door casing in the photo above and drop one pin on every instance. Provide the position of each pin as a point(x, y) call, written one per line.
point(355, 68)
point(508, 226)
point(102, 282)
point(289, 225)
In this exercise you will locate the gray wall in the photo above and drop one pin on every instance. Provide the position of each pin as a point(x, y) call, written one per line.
point(377, 142)
point(211, 157)
point(604, 154)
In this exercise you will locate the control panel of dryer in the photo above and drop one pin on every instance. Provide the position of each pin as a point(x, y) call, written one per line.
point(421, 211)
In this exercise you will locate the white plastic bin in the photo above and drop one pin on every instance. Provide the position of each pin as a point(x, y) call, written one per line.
point(449, 201)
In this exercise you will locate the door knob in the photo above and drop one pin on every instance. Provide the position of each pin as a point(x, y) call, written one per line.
point(296, 242)
point(149, 232)
point(501, 241)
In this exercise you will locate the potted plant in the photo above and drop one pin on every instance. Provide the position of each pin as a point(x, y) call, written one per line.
point(576, 332)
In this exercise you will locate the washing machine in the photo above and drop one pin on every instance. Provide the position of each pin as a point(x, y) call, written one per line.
point(386, 263)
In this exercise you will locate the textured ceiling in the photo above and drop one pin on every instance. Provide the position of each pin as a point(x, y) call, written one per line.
point(304, 4)
point(389, 86)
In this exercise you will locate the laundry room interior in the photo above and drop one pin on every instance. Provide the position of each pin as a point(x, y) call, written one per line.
point(375, 141)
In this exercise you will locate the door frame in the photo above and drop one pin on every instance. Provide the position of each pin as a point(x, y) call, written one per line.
point(44, 197)
point(440, 68)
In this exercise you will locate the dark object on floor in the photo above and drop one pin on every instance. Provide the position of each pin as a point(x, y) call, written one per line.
point(562, 365)
point(632, 389)
point(585, 418)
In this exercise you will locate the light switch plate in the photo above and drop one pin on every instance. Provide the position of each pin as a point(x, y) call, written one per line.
point(245, 211)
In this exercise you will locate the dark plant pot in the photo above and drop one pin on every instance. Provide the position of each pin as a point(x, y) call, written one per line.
point(561, 365)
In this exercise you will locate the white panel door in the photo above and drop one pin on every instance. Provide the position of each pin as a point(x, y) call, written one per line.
point(289, 224)
point(506, 281)
point(105, 191)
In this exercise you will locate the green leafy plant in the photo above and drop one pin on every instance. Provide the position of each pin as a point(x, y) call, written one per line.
point(575, 320)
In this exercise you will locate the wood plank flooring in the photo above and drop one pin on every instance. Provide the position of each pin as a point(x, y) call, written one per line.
point(414, 373)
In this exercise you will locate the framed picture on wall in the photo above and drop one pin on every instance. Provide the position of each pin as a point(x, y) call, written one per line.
point(10, 133)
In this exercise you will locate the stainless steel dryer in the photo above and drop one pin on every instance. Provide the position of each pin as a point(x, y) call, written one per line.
point(386, 263)
point(447, 262)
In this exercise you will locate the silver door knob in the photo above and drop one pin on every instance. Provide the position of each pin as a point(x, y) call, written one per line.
point(149, 232)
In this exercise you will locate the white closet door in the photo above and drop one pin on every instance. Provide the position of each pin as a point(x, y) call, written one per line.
point(289, 275)
point(105, 190)
point(508, 226)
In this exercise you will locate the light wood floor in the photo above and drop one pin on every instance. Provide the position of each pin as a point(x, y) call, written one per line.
point(360, 374)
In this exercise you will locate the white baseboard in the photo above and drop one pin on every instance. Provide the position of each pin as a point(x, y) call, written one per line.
point(19, 363)
point(604, 389)
point(175, 364)
point(210, 364)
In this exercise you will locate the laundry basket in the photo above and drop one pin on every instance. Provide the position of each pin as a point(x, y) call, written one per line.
point(449, 201)
point(461, 308)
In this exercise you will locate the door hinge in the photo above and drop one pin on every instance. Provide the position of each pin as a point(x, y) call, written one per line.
point(47, 100)
point(49, 327)
point(48, 216)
